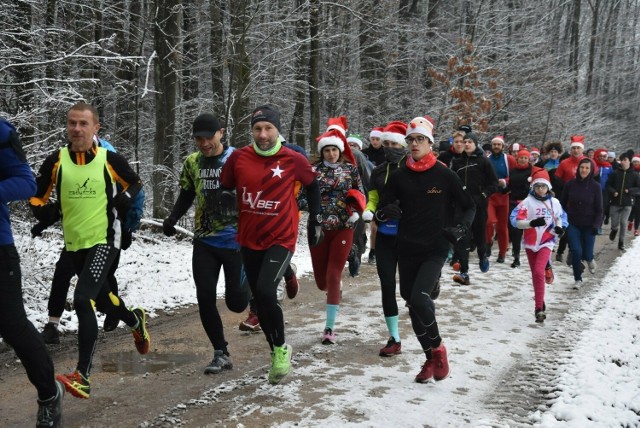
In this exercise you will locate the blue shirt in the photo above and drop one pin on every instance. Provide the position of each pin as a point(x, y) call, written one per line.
point(16, 183)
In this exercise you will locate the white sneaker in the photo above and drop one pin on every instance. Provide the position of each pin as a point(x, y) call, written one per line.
point(592, 266)
point(577, 284)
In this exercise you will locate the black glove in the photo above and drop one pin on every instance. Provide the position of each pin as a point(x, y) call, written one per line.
point(455, 233)
point(37, 229)
point(595, 231)
point(168, 226)
point(315, 235)
point(226, 203)
point(559, 231)
point(389, 212)
point(122, 202)
point(537, 222)
point(125, 242)
point(47, 214)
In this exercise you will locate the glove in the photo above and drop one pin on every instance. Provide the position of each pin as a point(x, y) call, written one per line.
point(390, 212)
point(47, 214)
point(314, 231)
point(168, 226)
point(540, 221)
point(126, 240)
point(122, 202)
point(227, 202)
point(455, 233)
point(595, 231)
point(559, 231)
point(354, 218)
point(367, 216)
point(37, 229)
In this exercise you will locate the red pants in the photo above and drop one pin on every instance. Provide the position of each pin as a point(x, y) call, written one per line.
point(537, 262)
point(498, 221)
point(328, 260)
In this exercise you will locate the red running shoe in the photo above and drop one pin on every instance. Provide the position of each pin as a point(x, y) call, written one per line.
point(548, 275)
point(76, 384)
point(440, 362)
point(252, 323)
point(426, 374)
point(291, 283)
point(392, 348)
point(140, 333)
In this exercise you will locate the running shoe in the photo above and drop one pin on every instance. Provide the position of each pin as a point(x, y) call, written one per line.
point(76, 384)
point(440, 362)
point(50, 334)
point(110, 323)
point(516, 262)
point(291, 283)
point(592, 266)
point(577, 285)
point(328, 337)
point(426, 374)
point(484, 265)
point(220, 362)
point(462, 278)
point(280, 363)
point(548, 275)
point(252, 323)
point(540, 316)
point(140, 333)
point(392, 348)
point(50, 410)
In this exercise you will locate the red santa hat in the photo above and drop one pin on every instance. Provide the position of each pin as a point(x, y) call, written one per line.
point(535, 150)
point(498, 139)
point(635, 158)
point(333, 137)
point(376, 132)
point(339, 123)
point(540, 175)
point(395, 131)
point(422, 125)
point(577, 141)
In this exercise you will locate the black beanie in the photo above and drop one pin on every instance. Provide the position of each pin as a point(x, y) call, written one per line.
point(266, 113)
point(471, 136)
point(205, 125)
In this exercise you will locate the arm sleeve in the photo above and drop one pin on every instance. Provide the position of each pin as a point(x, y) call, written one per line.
point(313, 197)
point(45, 180)
point(372, 203)
point(123, 174)
point(183, 203)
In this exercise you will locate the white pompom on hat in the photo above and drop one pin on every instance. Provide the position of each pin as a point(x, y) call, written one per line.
point(422, 125)
point(332, 137)
point(396, 132)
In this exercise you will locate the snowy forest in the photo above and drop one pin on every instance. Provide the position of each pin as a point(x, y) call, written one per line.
point(533, 71)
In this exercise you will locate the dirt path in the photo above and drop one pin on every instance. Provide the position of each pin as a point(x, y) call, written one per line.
point(167, 387)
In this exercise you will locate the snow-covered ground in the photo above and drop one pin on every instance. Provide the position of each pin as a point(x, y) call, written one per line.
point(487, 328)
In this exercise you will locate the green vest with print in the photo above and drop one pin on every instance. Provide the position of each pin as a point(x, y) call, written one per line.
point(83, 201)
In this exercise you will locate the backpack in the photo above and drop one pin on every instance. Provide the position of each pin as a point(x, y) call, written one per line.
point(131, 222)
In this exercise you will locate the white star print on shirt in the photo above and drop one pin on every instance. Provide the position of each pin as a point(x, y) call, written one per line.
point(277, 172)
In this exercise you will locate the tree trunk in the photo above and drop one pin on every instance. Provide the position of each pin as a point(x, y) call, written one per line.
point(165, 38)
point(595, 9)
point(239, 73)
point(297, 135)
point(314, 71)
point(574, 44)
point(217, 49)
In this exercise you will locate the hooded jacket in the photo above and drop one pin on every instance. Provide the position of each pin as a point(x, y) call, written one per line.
point(582, 201)
point(621, 180)
point(477, 174)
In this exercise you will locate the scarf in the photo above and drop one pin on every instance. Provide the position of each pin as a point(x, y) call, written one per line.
point(423, 164)
point(272, 151)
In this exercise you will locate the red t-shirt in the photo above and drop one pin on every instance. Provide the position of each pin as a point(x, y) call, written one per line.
point(268, 212)
point(568, 168)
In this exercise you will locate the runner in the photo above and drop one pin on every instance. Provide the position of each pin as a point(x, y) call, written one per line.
point(214, 246)
point(85, 177)
point(264, 175)
point(16, 183)
point(427, 192)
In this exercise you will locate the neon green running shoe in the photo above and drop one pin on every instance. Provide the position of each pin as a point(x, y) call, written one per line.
point(280, 363)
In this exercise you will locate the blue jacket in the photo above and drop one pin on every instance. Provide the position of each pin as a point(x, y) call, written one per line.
point(16, 179)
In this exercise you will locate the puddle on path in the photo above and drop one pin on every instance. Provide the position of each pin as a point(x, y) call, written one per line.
point(133, 363)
